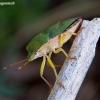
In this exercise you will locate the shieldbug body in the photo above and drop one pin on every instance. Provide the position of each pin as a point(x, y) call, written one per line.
point(48, 41)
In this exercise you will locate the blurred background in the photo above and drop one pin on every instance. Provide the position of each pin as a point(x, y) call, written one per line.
point(19, 23)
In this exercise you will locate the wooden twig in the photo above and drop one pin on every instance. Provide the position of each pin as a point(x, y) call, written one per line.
point(73, 71)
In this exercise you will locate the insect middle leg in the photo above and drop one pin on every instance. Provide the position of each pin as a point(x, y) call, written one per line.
point(47, 63)
point(50, 53)
point(52, 66)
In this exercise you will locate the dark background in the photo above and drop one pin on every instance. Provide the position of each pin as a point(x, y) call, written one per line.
point(19, 23)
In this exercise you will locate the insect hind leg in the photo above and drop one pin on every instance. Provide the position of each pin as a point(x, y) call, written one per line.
point(61, 42)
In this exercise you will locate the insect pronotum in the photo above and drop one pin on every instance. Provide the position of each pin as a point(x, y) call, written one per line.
point(48, 41)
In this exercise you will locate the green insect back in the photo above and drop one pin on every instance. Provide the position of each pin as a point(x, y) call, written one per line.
point(46, 35)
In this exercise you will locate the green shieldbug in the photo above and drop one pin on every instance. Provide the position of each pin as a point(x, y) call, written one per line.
point(48, 41)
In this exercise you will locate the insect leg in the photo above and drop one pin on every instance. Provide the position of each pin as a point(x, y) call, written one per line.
point(50, 53)
point(41, 72)
point(63, 37)
point(61, 42)
point(52, 66)
point(47, 63)
point(72, 33)
point(59, 50)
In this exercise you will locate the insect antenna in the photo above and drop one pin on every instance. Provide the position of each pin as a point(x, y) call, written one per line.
point(4, 68)
point(21, 66)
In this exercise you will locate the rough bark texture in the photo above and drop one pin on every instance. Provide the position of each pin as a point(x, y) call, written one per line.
point(73, 71)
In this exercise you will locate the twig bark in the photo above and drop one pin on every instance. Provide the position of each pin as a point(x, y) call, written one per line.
point(73, 71)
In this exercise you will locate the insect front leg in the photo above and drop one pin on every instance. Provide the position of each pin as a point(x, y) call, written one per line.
point(42, 70)
point(52, 66)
